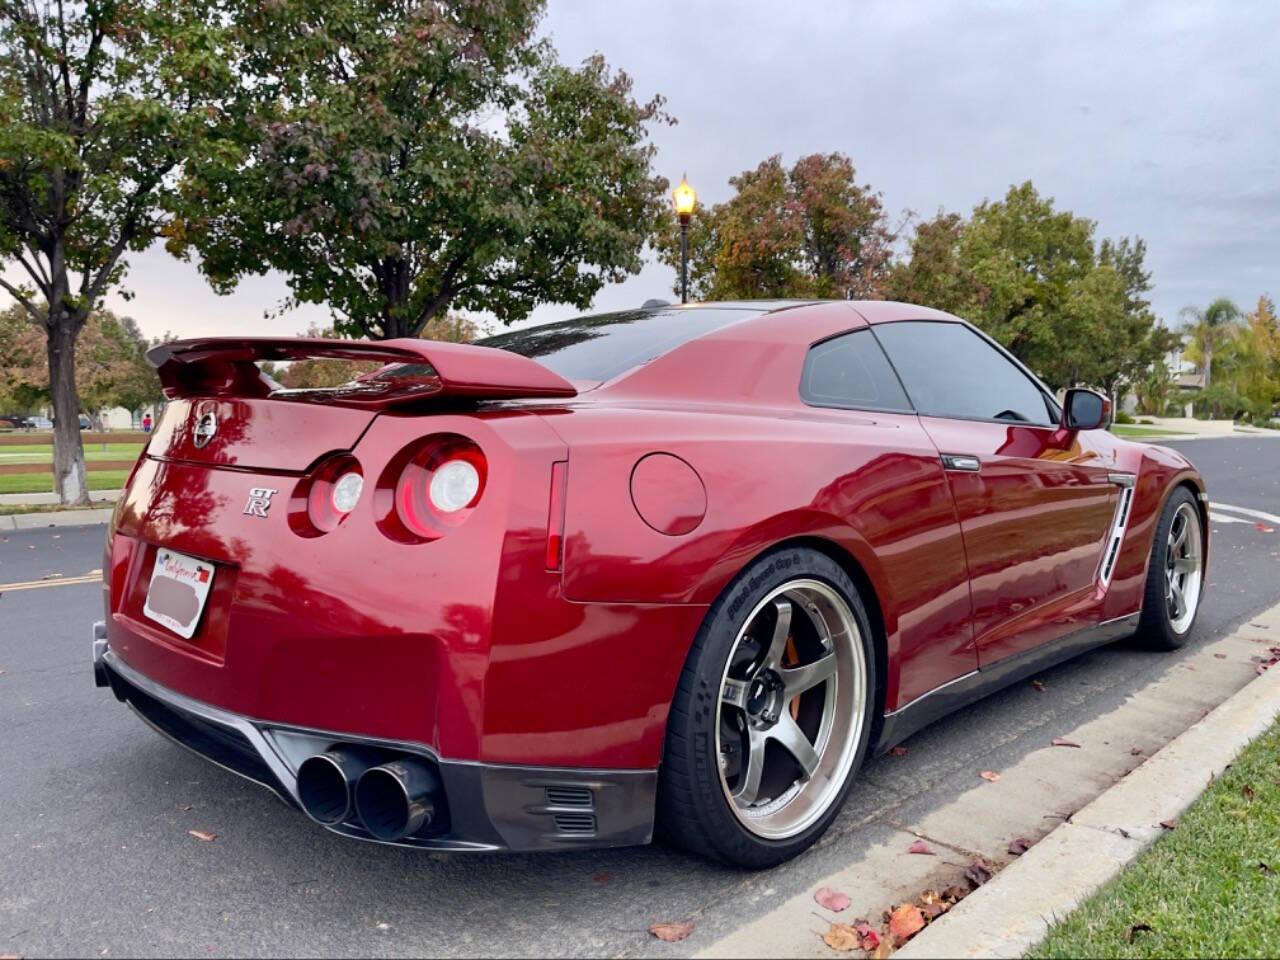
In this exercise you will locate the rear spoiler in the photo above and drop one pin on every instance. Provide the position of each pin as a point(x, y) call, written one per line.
point(415, 369)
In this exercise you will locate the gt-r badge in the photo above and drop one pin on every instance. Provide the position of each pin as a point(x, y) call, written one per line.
point(259, 502)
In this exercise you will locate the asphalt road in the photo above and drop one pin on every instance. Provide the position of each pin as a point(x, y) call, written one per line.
point(95, 857)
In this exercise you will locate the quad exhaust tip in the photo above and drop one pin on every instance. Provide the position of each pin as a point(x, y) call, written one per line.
point(397, 799)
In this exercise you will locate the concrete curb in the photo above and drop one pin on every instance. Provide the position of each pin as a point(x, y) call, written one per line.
point(1011, 914)
point(56, 518)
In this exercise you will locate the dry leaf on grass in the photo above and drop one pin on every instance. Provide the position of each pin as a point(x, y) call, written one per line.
point(1247, 792)
point(202, 835)
point(1266, 868)
point(897, 751)
point(1170, 824)
point(1063, 742)
point(841, 936)
point(1020, 845)
point(905, 922)
point(833, 900)
point(989, 775)
point(921, 847)
point(671, 932)
point(1136, 928)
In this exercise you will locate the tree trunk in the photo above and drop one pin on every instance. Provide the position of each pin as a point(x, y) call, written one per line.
point(70, 480)
point(1208, 358)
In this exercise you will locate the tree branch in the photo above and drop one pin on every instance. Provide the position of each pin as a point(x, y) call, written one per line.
point(30, 308)
point(41, 281)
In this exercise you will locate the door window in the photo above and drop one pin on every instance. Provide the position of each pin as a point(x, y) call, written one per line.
point(951, 371)
point(851, 371)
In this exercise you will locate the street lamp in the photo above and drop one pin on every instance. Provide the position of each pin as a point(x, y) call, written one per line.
point(685, 197)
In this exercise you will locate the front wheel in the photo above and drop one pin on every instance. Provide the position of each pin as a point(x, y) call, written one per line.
point(773, 713)
point(1175, 574)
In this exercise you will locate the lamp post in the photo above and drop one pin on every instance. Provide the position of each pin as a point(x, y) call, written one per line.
point(684, 197)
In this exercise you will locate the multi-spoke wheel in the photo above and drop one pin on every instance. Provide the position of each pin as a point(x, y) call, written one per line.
point(772, 714)
point(1175, 578)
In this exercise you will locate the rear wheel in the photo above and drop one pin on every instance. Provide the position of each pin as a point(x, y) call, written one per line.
point(773, 713)
point(1175, 575)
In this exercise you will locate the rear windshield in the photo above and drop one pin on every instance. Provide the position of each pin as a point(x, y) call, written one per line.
point(601, 347)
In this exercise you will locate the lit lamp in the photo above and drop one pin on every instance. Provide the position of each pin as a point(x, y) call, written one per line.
point(685, 197)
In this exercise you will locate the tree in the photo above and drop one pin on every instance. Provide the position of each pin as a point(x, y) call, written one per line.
point(404, 158)
point(329, 372)
point(111, 371)
point(1033, 278)
point(811, 231)
point(1208, 328)
point(99, 102)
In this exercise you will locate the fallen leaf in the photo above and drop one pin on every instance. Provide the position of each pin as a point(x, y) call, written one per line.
point(882, 950)
point(1124, 833)
point(1020, 846)
point(905, 922)
point(841, 936)
point(870, 938)
point(1170, 824)
point(955, 893)
point(1265, 868)
point(833, 900)
point(1062, 742)
point(1219, 656)
point(977, 873)
point(933, 910)
point(671, 932)
point(1135, 752)
point(1265, 529)
point(1038, 685)
point(989, 775)
point(921, 847)
point(1247, 791)
point(897, 751)
point(202, 835)
point(1136, 928)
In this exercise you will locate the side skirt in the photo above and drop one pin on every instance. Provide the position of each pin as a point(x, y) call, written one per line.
point(960, 692)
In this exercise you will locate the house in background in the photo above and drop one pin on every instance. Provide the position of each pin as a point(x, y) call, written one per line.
point(1188, 383)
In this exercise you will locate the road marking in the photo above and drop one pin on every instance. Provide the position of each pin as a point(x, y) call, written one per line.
point(93, 576)
point(1224, 518)
point(1246, 511)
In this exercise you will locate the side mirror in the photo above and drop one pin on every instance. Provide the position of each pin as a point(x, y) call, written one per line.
point(1085, 410)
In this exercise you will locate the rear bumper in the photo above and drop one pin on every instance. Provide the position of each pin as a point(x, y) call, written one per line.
point(490, 806)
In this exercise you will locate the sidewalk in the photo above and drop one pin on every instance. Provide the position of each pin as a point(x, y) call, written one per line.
point(1202, 428)
point(43, 499)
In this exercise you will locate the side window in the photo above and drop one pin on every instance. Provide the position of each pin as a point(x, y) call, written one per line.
point(851, 371)
point(950, 371)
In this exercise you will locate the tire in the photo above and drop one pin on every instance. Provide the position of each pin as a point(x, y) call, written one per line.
point(1163, 626)
point(786, 648)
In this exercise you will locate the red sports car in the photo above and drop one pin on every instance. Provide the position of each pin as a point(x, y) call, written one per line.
point(679, 565)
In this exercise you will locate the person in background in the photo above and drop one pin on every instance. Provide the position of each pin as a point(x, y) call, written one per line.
point(146, 423)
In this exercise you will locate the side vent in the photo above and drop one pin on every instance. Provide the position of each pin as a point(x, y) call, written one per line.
point(1112, 548)
point(569, 797)
point(576, 824)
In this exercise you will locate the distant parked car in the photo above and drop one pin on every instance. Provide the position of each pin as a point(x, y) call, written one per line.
point(85, 423)
point(39, 423)
point(12, 423)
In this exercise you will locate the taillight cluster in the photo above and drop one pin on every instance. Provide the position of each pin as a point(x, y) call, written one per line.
point(430, 488)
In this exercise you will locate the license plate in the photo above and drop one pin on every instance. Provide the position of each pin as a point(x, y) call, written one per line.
point(177, 592)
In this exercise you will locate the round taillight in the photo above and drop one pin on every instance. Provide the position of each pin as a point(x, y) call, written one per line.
point(439, 486)
point(330, 494)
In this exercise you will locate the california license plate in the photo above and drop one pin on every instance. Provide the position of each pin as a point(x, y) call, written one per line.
point(178, 590)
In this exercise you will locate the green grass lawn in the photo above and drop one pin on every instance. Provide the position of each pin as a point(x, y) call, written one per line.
point(1209, 888)
point(37, 453)
point(43, 482)
point(1136, 430)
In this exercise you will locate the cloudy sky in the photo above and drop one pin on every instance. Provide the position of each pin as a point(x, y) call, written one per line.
point(1160, 119)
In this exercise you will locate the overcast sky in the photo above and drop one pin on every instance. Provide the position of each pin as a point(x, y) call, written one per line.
point(1160, 119)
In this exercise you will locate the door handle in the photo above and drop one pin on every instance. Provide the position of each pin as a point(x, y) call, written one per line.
point(961, 461)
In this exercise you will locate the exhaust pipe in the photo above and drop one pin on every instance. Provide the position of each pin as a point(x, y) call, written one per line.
point(327, 781)
point(397, 799)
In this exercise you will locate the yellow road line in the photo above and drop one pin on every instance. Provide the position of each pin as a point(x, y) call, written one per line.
point(93, 576)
